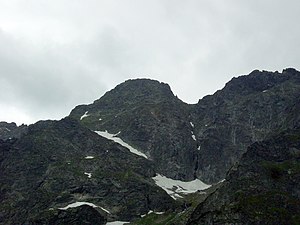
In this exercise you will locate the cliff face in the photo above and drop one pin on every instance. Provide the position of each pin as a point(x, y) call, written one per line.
point(196, 141)
point(262, 189)
point(248, 109)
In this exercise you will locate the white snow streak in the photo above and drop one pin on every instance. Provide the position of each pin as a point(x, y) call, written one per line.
point(175, 188)
point(89, 157)
point(77, 204)
point(118, 140)
point(117, 223)
point(88, 174)
point(105, 210)
point(194, 137)
point(192, 124)
point(158, 213)
point(84, 115)
point(150, 211)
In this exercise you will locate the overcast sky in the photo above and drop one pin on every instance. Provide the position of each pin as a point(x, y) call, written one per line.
point(56, 54)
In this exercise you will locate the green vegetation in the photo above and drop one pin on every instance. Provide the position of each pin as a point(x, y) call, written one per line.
point(272, 206)
point(279, 169)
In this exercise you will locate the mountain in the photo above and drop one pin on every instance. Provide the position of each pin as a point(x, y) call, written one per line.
point(203, 140)
point(262, 189)
point(140, 154)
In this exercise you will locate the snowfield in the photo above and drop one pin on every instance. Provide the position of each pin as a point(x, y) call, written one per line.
point(176, 188)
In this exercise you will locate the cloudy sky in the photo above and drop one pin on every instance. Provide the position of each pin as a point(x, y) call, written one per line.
point(56, 54)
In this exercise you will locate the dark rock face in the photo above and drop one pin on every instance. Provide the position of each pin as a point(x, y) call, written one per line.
point(248, 109)
point(203, 140)
point(47, 168)
point(262, 189)
point(11, 130)
point(82, 215)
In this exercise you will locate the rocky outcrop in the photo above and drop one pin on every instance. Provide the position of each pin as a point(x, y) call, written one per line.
point(58, 163)
point(262, 189)
point(11, 130)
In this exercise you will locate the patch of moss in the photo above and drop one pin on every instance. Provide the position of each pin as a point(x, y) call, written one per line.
point(155, 219)
point(278, 169)
point(269, 206)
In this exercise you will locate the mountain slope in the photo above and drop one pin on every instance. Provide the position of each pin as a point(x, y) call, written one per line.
point(60, 162)
point(262, 189)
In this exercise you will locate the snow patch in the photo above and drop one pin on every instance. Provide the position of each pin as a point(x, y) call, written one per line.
point(105, 210)
point(176, 188)
point(118, 140)
point(84, 115)
point(88, 174)
point(89, 157)
point(150, 211)
point(100, 119)
point(221, 181)
point(194, 137)
point(264, 91)
point(199, 147)
point(192, 125)
point(117, 223)
point(77, 204)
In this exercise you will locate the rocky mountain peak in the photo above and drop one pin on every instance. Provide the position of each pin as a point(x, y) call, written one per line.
point(259, 81)
point(136, 91)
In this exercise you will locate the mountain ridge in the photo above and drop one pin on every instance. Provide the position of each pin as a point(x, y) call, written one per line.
point(163, 127)
point(50, 165)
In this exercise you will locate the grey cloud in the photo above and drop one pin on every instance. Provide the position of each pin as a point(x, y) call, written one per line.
point(78, 51)
point(46, 84)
